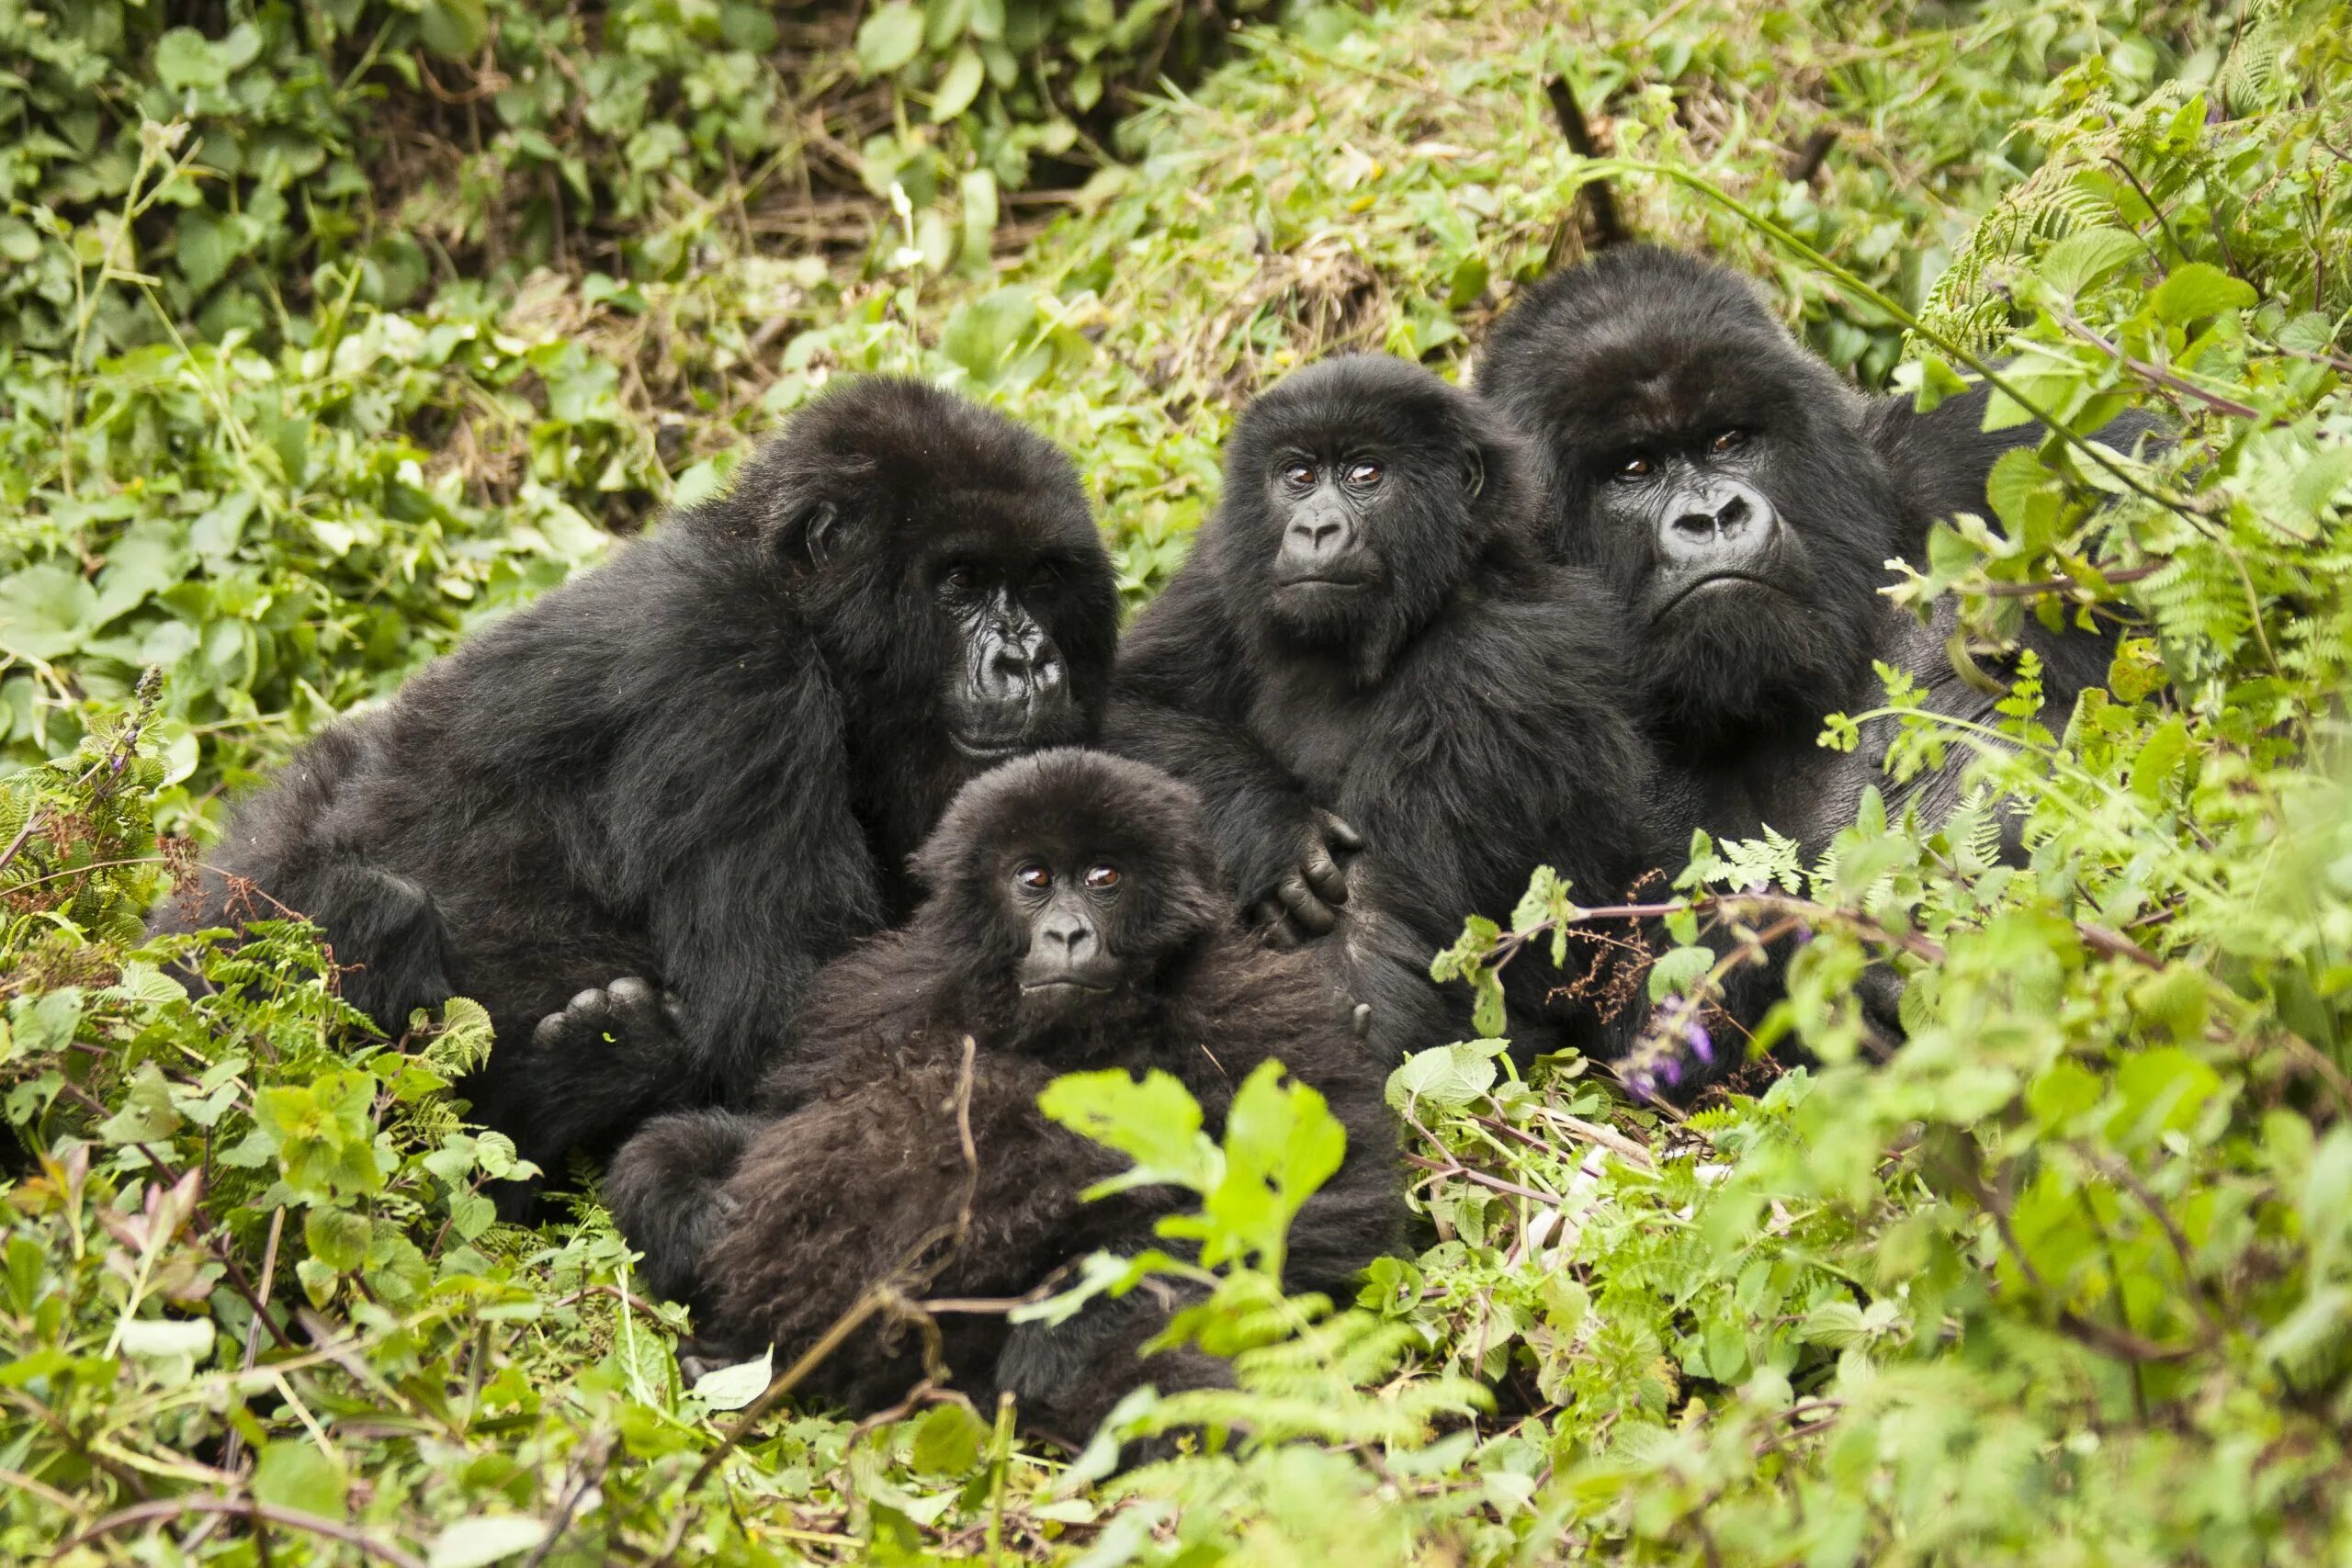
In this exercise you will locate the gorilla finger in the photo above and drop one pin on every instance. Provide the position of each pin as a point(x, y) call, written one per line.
point(1280, 935)
point(1324, 875)
point(636, 1006)
point(1361, 1021)
point(1336, 830)
point(1313, 916)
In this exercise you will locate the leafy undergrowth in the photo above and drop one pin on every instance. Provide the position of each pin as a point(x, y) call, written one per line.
point(2069, 1280)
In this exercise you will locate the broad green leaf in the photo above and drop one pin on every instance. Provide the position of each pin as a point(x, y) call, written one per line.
point(159, 1337)
point(293, 1473)
point(45, 612)
point(732, 1388)
point(2087, 255)
point(948, 1439)
point(478, 1542)
point(2197, 291)
point(1153, 1121)
point(455, 28)
point(1446, 1075)
point(958, 85)
point(185, 58)
point(888, 38)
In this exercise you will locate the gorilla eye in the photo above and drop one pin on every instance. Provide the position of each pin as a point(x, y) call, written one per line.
point(1045, 574)
point(1636, 466)
point(1102, 877)
point(1729, 441)
point(963, 578)
point(1035, 877)
point(1299, 476)
point(1364, 473)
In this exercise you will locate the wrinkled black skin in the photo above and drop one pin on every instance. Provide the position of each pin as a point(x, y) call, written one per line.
point(1396, 650)
point(1750, 554)
point(774, 1224)
point(703, 765)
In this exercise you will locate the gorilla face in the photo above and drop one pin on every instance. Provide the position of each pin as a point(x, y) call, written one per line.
point(1358, 493)
point(1072, 880)
point(1715, 473)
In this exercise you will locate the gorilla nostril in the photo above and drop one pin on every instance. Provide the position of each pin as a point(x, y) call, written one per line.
point(1695, 525)
point(1732, 513)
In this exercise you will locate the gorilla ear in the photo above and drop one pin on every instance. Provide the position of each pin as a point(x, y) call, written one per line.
point(1474, 472)
point(811, 533)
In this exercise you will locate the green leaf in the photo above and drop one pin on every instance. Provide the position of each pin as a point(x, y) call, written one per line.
point(159, 1338)
point(147, 1115)
point(184, 59)
point(45, 610)
point(1447, 1076)
point(455, 28)
point(1282, 1143)
point(948, 1439)
point(731, 1388)
point(890, 37)
point(958, 85)
point(2087, 255)
point(2197, 291)
point(337, 1237)
point(478, 1542)
point(2159, 754)
point(983, 335)
point(1154, 1122)
point(293, 1473)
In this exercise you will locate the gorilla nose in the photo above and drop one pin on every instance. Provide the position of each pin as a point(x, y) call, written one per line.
point(1022, 667)
point(1317, 538)
point(1066, 937)
point(1719, 528)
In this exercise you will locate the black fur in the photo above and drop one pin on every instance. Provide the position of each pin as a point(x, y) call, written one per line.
point(1644, 353)
point(1645, 360)
point(1466, 705)
point(703, 763)
point(863, 1172)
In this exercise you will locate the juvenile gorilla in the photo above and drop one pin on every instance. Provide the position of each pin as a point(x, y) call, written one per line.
point(703, 765)
point(1074, 923)
point(1387, 697)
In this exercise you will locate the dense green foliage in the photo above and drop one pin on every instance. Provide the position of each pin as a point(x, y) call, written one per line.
point(309, 368)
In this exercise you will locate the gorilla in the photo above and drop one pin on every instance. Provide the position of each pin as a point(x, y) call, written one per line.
point(702, 765)
point(1074, 923)
point(1393, 707)
point(1745, 503)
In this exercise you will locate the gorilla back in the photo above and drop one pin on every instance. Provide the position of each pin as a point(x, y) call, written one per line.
point(703, 763)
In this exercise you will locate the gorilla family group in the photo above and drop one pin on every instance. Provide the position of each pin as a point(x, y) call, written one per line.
point(797, 848)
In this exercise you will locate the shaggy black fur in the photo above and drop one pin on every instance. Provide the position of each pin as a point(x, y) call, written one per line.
point(1074, 923)
point(704, 764)
point(1744, 502)
point(1660, 392)
point(1368, 628)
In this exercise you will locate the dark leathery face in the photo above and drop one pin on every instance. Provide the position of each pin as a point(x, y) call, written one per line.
point(1087, 873)
point(1359, 493)
point(1714, 472)
point(948, 562)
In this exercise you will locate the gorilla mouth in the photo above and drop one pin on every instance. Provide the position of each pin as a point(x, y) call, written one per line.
point(1717, 580)
point(1030, 988)
point(987, 749)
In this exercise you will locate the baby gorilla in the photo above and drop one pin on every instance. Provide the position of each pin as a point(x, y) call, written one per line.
point(1073, 923)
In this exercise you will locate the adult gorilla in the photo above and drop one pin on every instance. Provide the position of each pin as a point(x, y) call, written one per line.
point(703, 765)
point(1074, 924)
point(1366, 638)
point(1744, 501)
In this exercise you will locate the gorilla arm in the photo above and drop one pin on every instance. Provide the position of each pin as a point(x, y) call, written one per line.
point(1178, 701)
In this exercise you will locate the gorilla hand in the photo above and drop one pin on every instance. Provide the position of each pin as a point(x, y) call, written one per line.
point(628, 1017)
point(1304, 902)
